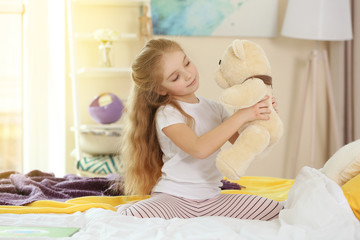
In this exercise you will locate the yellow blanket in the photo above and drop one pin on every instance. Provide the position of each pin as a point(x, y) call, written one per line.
point(273, 188)
point(269, 187)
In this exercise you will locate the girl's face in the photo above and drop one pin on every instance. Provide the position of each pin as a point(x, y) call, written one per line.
point(180, 77)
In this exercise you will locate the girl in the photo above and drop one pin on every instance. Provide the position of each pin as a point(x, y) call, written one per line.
point(171, 140)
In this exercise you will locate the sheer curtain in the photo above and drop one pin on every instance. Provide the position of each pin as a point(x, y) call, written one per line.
point(10, 85)
point(44, 86)
point(345, 62)
point(32, 85)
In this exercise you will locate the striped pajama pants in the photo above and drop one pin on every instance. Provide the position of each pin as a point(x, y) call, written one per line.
point(241, 206)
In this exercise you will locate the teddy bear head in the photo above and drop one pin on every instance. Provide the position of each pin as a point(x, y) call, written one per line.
point(242, 60)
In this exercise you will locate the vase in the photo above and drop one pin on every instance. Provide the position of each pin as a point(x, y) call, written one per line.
point(104, 52)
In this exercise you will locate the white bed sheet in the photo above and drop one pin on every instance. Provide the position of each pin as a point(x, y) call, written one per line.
point(316, 209)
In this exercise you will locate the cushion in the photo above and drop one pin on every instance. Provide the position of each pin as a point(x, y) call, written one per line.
point(344, 164)
point(351, 191)
point(99, 165)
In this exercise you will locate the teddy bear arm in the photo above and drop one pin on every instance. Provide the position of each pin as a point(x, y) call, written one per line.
point(244, 95)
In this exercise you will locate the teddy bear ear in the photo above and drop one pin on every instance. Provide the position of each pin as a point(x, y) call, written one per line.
point(238, 48)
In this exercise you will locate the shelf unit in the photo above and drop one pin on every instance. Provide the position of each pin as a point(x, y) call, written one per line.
point(80, 73)
point(121, 3)
point(103, 72)
point(89, 37)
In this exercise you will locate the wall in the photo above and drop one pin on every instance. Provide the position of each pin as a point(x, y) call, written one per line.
point(288, 58)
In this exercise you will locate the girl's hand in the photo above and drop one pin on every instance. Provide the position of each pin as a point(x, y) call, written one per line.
point(259, 111)
point(274, 104)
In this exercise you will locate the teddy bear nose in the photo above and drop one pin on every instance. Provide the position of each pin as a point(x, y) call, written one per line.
point(219, 61)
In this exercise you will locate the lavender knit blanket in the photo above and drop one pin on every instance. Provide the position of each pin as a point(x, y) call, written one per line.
point(20, 189)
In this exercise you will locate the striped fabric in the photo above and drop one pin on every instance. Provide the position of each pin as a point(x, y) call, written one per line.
point(242, 206)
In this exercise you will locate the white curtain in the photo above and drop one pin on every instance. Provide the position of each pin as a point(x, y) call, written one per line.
point(44, 86)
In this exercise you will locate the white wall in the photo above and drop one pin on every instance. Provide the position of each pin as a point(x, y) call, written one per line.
point(288, 59)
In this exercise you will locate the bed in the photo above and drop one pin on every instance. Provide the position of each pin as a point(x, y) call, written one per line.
point(315, 208)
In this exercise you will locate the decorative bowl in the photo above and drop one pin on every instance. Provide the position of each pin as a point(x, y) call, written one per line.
point(106, 108)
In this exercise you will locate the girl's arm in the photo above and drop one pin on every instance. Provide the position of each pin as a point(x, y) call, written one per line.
point(205, 145)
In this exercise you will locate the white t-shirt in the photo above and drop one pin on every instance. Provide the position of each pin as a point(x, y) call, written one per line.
point(184, 175)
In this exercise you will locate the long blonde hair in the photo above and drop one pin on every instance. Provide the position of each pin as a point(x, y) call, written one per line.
point(140, 149)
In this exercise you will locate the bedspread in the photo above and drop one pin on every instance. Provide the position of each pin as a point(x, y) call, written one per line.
point(23, 189)
point(270, 187)
point(316, 209)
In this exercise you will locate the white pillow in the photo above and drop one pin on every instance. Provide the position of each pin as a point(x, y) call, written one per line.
point(344, 164)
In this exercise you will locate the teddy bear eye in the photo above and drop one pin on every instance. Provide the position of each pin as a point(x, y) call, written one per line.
point(219, 61)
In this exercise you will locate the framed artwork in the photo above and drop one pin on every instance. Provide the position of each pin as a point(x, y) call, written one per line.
point(239, 18)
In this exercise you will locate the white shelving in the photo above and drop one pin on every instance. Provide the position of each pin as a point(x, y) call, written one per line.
point(89, 37)
point(103, 72)
point(121, 3)
point(83, 37)
point(85, 127)
point(98, 126)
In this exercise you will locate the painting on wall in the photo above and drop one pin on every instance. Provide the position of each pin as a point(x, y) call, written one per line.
point(239, 18)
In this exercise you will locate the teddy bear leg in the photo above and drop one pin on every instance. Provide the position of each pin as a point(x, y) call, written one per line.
point(234, 161)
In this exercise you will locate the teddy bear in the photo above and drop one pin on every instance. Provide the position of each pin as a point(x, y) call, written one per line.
point(245, 75)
